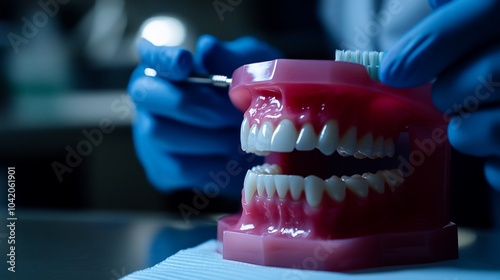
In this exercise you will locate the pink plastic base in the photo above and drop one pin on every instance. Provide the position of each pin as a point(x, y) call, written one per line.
point(387, 249)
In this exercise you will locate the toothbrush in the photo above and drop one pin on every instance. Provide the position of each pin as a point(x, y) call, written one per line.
point(370, 59)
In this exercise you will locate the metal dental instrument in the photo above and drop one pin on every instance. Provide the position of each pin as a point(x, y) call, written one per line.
point(215, 80)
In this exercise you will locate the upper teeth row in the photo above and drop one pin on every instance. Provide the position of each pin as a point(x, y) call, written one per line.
point(285, 138)
point(269, 180)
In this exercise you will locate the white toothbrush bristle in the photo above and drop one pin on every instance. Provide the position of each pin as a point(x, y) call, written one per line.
point(370, 59)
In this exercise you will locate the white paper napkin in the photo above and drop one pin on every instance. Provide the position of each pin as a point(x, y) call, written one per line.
point(203, 262)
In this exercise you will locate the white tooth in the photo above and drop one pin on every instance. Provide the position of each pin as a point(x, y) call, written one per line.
point(264, 137)
point(249, 185)
point(270, 186)
point(314, 188)
point(335, 188)
point(257, 169)
point(282, 185)
point(389, 147)
point(296, 186)
point(393, 178)
point(271, 168)
point(375, 181)
point(347, 144)
point(357, 185)
point(244, 131)
point(261, 185)
point(329, 138)
point(267, 168)
point(252, 137)
point(284, 137)
point(378, 147)
point(365, 144)
point(307, 138)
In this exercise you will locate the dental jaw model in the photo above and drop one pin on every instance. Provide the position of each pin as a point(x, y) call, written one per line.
point(356, 172)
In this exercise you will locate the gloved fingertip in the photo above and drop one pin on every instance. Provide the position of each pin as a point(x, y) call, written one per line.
point(458, 132)
point(175, 64)
point(172, 63)
point(395, 70)
point(387, 73)
point(492, 172)
point(207, 41)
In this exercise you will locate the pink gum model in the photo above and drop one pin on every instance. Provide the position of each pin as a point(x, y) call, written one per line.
point(356, 172)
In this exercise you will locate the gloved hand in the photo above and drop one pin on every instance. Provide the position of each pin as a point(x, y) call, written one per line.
point(458, 46)
point(187, 135)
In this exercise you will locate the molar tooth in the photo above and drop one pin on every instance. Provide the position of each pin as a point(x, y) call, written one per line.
point(314, 188)
point(356, 184)
point(264, 135)
point(378, 147)
point(244, 131)
point(389, 147)
point(375, 181)
point(296, 186)
point(335, 188)
point(347, 144)
point(284, 137)
point(263, 168)
point(282, 185)
point(307, 138)
point(261, 185)
point(365, 144)
point(252, 137)
point(270, 186)
point(271, 168)
point(257, 169)
point(329, 138)
point(249, 185)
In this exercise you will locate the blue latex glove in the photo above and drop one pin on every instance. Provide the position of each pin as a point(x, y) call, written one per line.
point(187, 135)
point(458, 46)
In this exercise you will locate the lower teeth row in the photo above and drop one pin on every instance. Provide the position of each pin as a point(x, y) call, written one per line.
point(267, 179)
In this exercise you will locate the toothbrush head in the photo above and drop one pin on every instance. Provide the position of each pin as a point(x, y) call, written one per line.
point(370, 59)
